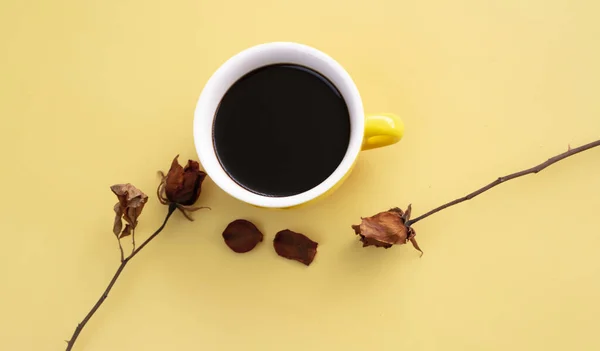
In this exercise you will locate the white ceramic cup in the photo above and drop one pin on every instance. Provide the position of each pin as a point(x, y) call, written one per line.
point(389, 131)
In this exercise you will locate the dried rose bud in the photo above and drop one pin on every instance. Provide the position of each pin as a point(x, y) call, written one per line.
point(181, 186)
point(386, 229)
point(295, 246)
point(242, 236)
point(130, 206)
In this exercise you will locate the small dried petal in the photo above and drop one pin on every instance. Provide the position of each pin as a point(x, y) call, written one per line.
point(386, 229)
point(126, 231)
point(242, 236)
point(295, 246)
point(374, 242)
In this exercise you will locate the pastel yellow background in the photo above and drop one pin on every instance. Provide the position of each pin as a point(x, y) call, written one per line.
point(100, 92)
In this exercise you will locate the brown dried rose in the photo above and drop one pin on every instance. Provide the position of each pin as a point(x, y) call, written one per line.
point(130, 206)
point(242, 236)
point(295, 246)
point(181, 186)
point(386, 229)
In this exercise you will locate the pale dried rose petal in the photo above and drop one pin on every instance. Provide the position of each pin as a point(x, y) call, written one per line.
point(129, 195)
point(130, 206)
point(295, 246)
point(242, 236)
point(386, 229)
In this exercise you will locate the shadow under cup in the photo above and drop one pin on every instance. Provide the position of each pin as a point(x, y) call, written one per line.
point(281, 130)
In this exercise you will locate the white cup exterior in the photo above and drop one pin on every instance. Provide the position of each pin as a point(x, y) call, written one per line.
point(246, 61)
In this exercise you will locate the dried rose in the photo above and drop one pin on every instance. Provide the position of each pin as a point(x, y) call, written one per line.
point(242, 236)
point(130, 206)
point(181, 186)
point(386, 229)
point(295, 246)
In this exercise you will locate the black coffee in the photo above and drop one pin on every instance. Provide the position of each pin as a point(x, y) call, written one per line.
point(281, 130)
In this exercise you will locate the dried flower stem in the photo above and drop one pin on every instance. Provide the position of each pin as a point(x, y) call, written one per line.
point(80, 326)
point(132, 240)
point(501, 180)
point(121, 249)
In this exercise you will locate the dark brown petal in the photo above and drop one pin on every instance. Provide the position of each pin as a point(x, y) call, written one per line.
point(174, 179)
point(183, 185)
point(192, 183)
point(295, 246)
point(242, 236)
point(118, 225)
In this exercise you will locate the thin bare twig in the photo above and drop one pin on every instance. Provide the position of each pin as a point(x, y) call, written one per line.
point(501, 180)
point(124, 262)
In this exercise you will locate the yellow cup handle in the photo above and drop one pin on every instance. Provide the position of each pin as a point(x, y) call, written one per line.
point(382, 130)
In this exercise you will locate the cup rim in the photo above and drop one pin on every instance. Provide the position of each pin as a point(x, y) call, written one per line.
point(245, 61)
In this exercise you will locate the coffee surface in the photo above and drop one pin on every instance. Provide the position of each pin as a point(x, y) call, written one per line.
point(281, 130)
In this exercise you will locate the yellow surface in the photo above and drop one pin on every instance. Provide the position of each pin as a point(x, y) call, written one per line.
point(99, 92)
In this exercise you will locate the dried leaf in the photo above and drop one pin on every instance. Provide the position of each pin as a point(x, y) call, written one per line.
point(295, 246)
point(242, 236)
point(118, 225)
point(386, 229)
point(130, 206)
point(183, 185)
point(126, 231)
